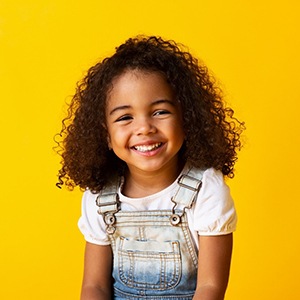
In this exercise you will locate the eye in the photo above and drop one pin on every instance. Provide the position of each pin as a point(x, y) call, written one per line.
point(124, 118)
point(161, 112)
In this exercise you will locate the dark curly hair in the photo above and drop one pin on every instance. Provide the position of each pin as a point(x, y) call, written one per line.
point(212, 134)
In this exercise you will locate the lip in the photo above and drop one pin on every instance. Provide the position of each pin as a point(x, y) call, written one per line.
point(149, 148)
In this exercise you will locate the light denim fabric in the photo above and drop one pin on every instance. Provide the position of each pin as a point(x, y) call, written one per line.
point(153, 259)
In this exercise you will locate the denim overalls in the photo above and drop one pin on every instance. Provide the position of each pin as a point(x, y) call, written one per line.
point(154, 254)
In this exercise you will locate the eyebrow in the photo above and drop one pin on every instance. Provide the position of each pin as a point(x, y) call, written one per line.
point(119, 108)
point(123, 107)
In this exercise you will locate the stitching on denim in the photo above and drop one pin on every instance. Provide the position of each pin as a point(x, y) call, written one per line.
point(189, 243)
point(161, 259)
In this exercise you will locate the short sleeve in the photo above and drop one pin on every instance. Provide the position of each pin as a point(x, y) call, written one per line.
point(90, 223)
point(214, 212)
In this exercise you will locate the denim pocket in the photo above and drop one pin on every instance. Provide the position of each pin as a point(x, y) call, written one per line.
point(149, 264)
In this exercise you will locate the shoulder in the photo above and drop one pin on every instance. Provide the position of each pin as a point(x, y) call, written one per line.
point(212, 179)
point(90, 223)
point(213, 182)
point(88, 194)
point(214, 211)
point(214, 175)
point(89, 200)
point(214, 192)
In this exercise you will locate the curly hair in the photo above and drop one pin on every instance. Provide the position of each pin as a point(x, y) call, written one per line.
point(212, 134)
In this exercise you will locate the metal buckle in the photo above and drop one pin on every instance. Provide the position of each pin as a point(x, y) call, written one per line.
point(110, 229)
point(109, 215)
point(175, 219)
point(107, 203)
point(115, 203)
point(109, 219)
point(194, 189)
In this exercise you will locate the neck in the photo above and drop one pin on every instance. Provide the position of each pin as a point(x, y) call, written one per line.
point(141, 184)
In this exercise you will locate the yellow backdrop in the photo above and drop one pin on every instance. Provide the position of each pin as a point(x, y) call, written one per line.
point(46, 45)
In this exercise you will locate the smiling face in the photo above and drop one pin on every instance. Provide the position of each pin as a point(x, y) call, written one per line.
point(144, 122)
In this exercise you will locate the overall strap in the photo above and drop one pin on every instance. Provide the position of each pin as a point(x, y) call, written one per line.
point(189, 187)
point(109, 204)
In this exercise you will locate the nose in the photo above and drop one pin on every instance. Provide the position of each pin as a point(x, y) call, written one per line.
point(145, 126)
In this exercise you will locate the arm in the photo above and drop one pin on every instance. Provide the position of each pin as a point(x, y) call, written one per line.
point(97, 278)
point(213, 268)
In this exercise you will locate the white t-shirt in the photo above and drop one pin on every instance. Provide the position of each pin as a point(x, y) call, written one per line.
point(212, 214)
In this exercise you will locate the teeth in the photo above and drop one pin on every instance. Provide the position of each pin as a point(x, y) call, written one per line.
point(145, 148)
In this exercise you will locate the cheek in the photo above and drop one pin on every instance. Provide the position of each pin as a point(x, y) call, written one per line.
point(176, 135)
point(180, 136)
point(116, 136)
point(178, 128)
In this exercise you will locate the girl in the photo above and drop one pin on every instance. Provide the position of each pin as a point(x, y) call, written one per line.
point(149, 139)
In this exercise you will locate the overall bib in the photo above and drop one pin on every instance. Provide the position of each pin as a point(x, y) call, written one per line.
point(155, 256)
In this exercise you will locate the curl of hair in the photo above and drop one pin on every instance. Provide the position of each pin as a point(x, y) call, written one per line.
point(212, 133)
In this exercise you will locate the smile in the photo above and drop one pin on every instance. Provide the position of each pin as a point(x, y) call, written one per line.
point(147, 148)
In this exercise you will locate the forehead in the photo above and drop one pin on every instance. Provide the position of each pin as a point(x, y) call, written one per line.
point(139, 75)
point(139, 84)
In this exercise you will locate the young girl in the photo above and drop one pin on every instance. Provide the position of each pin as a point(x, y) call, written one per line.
point(150, 140)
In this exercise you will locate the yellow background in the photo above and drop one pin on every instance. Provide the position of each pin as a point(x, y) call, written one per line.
point(46, 45)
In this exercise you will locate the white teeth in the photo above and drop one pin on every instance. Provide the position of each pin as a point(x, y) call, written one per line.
point(145, 148)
